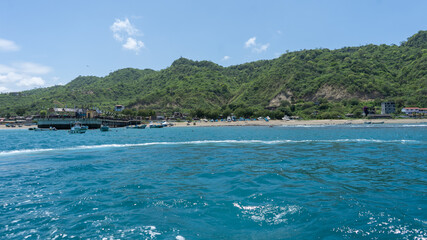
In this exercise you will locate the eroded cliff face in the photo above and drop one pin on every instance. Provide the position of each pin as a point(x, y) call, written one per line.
point(331, 92)
point(276, 101)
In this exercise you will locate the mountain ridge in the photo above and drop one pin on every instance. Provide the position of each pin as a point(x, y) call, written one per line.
point(366, 73)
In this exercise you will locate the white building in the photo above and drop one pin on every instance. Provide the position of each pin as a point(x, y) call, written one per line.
point(411, 110)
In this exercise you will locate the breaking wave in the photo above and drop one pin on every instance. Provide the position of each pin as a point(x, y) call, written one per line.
point(205, 142)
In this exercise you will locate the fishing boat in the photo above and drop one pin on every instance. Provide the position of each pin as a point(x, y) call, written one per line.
point(167, 124)
point(156, 125)
point(137, 126)
point(78, 128)
point(374, 122)
point(104, 128)
point(42, 129)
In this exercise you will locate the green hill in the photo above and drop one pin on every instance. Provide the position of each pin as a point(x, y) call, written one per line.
point(317, 83)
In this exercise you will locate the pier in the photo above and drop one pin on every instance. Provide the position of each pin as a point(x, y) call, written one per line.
point(92, 123)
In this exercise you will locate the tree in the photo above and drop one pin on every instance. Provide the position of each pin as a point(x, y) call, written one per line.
point(20, 111)
point(43, 113)
point(128, 112)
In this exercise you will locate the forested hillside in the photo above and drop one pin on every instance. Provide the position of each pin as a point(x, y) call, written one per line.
point(319, 83)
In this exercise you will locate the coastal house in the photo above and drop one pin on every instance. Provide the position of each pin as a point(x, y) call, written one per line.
point(20, 119)
point(411, 110)
point(91, 113)
point(68, 112)
point(415, 111)
point(388, 107)
point(119, 108)
point(73, 112)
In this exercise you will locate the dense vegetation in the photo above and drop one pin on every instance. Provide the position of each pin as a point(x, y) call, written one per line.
point(319, 83)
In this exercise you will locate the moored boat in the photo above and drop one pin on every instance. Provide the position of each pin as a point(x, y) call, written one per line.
point(78, 128)
point(137, 126)
point(42, 129)
point(104, 128)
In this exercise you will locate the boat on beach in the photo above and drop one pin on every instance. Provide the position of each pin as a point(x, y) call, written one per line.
point(374, 122)
point(155, 125)
point(78, 128)
point(167, 124)
point(137, 126)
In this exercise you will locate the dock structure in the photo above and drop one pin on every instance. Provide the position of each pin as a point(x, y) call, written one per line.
point(92, 123)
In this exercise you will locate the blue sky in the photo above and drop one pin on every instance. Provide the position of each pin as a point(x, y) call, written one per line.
point(44, 43)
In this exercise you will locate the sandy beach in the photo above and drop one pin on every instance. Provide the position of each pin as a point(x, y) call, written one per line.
point(2, 126)
point(298, 122)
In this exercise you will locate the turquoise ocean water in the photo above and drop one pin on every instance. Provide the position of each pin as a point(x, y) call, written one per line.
point(318, 182)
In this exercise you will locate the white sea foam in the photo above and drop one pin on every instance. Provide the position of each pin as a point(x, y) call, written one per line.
point(414, 125)
point(382, 224)
point(203, 142)
point(268, 213)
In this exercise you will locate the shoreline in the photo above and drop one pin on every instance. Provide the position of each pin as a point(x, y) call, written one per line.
point(278, 123)
point(299, 122)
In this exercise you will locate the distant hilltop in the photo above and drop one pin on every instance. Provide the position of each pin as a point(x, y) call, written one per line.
point(307, 83)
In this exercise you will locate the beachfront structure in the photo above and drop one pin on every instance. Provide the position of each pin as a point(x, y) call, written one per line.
point(388, 107)
point(91, 113)
point(119, 108)
point(414, 111)
point(410, 110)
point(73, 112)
point(62, 111)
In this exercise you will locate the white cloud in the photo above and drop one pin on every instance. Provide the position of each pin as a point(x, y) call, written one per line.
point(32, 68)
point(256, 47)
point(225, 58)
point(133, 44)
point(28, 81)
point(261, 48)
point(25, 67)
point(3, 89)
point(250, 42)
point(21, 80)
point(124, 32)
point(7, 45)
point(21, 76)
point(124, 26)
